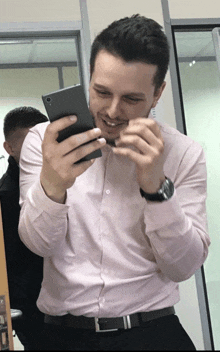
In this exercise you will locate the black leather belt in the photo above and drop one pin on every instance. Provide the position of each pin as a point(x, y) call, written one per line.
point(107, 324)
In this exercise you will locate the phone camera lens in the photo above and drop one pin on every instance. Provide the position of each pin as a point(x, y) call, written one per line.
point(48, 100)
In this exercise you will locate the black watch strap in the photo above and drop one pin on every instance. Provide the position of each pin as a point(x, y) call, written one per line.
point(164, 193)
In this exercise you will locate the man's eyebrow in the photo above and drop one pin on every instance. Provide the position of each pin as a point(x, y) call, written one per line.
point(136, 94)
point(96, 85)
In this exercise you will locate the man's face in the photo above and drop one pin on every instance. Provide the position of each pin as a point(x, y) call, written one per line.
point(14, 143)
point(120, 91)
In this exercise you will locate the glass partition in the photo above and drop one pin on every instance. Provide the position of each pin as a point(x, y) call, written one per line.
point(200, 88)
point(31, 66)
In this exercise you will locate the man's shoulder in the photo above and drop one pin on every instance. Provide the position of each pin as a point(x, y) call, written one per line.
point(168, 130)
point(3, 182)
point(7, 184)
point(40, 128)
point(176, 138)
point(9, 181)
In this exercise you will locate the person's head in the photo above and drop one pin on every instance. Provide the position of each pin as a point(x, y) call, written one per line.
point(17, 123)
point(128, 64)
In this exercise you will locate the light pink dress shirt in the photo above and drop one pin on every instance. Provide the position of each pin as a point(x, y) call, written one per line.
point(107, 251)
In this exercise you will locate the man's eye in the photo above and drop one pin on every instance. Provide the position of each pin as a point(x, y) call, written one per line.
point(101, 92)
point(133, 100)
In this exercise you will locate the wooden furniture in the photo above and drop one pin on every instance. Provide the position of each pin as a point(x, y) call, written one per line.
point(6, 335)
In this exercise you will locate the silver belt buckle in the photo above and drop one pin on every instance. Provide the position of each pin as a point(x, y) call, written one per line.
point(97, 328)
point(126, 321)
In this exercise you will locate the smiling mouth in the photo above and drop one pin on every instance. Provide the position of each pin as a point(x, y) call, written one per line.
point(112, 124)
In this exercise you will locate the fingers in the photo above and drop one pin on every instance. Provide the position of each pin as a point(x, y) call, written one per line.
point(143, 134)
point(76, 141)
point(131, 154)
point(142, 123)
point(54, 127)
point(73, 142)
point(83, 150)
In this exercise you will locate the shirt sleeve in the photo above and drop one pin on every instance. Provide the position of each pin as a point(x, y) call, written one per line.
point(177, 228)
point(42, 223)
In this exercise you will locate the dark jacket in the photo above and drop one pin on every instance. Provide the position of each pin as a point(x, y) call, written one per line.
point(24, 268)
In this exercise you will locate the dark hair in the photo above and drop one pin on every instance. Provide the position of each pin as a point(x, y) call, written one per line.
point(135, 38)
point(22, 117)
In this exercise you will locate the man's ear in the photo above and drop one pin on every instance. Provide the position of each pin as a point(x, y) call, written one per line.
point(90, 73)
point(158, 94)
point(7, 146)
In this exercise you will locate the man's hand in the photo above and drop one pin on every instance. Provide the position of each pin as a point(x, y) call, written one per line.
point(59, 170)
point(144, 134)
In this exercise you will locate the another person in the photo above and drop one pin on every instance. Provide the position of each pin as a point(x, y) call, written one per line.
point(120, 232)
point(24, 268)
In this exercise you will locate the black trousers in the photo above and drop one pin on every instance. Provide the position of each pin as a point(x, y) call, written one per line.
point(28, 329)
point(162, 334)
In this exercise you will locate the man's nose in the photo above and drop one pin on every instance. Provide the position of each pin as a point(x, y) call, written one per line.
point(113, 109)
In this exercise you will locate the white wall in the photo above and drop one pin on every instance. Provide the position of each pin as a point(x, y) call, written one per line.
point(101, 13)
point(194, 8)
point(40, 10)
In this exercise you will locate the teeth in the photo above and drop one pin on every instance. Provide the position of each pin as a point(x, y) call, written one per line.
point(111, 124)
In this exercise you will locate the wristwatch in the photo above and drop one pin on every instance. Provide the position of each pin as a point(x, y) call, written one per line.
point(165, 192)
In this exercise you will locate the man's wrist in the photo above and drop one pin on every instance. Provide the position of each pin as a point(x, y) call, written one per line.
point(164, 193)
point(56, 195)
point(154, 186)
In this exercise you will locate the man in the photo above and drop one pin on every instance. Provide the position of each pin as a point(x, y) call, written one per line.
point(117, 233)
point(24, 268)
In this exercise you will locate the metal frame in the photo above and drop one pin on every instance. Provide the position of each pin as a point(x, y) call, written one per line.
point(198, 59)
point(199, 24)
point(177, 98)
point(85, 45)
point(216, 40)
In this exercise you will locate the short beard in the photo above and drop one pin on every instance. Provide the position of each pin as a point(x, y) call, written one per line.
point(110, 142)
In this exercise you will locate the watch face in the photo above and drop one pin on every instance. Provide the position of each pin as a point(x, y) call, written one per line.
point(167, 189)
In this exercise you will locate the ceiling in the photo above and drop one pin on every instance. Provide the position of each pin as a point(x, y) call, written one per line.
point(36, 51)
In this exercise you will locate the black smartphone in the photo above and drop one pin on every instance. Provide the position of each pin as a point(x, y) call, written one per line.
point(70, 101)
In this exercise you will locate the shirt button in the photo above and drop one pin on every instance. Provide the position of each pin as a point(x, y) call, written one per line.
point(107, 191)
